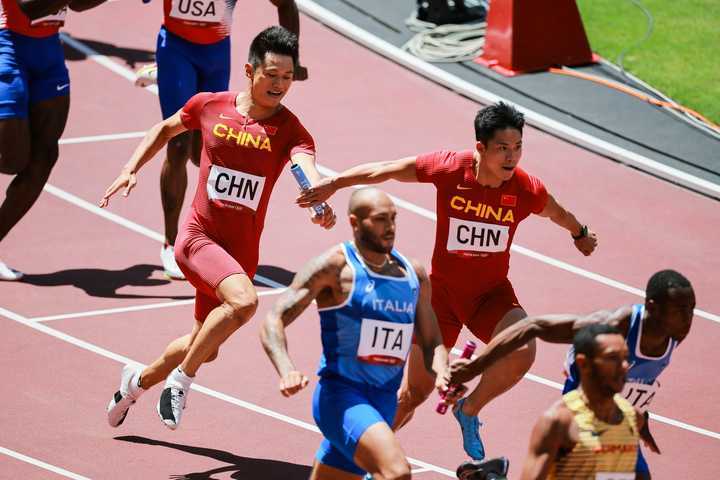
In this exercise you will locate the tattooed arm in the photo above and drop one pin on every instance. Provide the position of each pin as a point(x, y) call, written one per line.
point(319, 278)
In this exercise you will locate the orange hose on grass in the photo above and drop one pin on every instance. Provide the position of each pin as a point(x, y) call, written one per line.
point(635, 93)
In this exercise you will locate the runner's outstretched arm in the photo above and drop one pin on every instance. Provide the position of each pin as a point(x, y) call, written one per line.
point(155, 139)
point(428, 333)
point(319, 275)
point(550, 328)
point(402, 170)
point(585, 240)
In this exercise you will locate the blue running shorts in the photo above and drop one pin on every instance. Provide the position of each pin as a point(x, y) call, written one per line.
point(31, 70)
point(186, 68)
point(343, 410)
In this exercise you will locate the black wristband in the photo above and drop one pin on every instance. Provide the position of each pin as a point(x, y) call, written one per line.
point(583, 233)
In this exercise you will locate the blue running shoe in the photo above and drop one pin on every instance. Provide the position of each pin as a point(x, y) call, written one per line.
point(470, 427)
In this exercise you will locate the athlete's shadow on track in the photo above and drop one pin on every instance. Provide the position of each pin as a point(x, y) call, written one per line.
point(277, 274)
point(131, 56)
point(243, 467)
point(98, 282)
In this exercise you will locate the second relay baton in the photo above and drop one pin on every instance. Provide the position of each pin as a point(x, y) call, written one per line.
point(304, 183)
point(442, 406)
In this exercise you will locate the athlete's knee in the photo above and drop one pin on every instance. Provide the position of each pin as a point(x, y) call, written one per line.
point(396, 469)
point(241, 306)
point(14, 156)
point(414, 395)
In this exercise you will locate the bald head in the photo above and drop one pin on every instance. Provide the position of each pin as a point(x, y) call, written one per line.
point(372, 217)
point(365, 200)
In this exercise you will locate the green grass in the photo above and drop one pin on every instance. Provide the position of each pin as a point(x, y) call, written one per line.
point(682, 56)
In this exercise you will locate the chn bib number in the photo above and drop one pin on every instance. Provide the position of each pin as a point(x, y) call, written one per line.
point(640, 395)
point(615, 476)
point(235, 186)
point(385, 343)
point(57, 18)
point(208, 11)
point(464, 235)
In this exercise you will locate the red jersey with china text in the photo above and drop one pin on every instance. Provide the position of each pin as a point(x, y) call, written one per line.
point(199, 21)
point(475, 224)
point(14, 19)
point(241, 160)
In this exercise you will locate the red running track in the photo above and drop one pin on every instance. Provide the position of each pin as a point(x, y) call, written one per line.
point(69, 327)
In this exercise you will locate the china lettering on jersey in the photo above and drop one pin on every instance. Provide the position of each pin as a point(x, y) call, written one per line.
point(464, 235)
point(615, 476)
point(386, 343)
point(57, 18)
point(640, 395)
point(207, 11)
point(235, 186)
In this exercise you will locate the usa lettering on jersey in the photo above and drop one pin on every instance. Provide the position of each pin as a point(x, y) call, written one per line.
point(235, 186)
point(384, 343)
point(209, 11)
point(464, 235)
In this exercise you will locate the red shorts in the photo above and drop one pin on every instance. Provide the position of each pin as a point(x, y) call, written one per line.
point(205, 264)
point(479, 312)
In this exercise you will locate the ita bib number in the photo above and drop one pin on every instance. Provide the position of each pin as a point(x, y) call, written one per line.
point(208, 11)
point(57, 18)
point(464, 235)
point(234, 186)
point(615, 476)
point(384, 343)
point(640, 395)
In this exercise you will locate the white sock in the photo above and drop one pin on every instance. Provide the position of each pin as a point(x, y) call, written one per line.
point(178, 379)
point(134, 388)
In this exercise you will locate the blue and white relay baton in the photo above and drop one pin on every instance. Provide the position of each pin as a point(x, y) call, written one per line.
point(304, 183)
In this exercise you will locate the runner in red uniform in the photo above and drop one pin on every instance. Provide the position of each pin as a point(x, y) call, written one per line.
point(193, 56)
point(482, 195)
point(34, 102)
point(248, 138)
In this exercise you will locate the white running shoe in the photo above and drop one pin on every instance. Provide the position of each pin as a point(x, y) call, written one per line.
point(129, 392)
point(173, 398)
point(167, 256)
point(8, 274)
point(146, 75)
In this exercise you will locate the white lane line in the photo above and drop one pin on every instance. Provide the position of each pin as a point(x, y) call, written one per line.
point(101, 138)
point(43, 328)
point(136, 227)
point(659, 418)
point(322, 13)
point(135, 308)
point(41, 464)
point(481, 95)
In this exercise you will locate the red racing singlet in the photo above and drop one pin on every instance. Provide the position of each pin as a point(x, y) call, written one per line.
point(475, 224)
point(199, 21)
point(12, 18)
point(240, 163)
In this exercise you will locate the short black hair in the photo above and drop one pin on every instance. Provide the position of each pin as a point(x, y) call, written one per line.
point(585, 340)
point(661, 282)
point(498, 116)
point(278, 40)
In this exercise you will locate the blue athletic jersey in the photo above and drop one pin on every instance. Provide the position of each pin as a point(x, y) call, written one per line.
point(367, 338)
point(641, 384)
